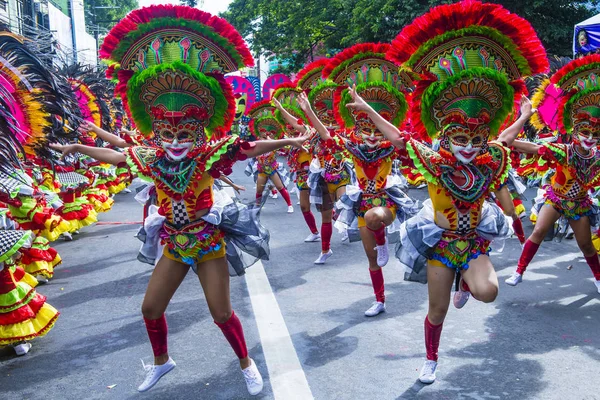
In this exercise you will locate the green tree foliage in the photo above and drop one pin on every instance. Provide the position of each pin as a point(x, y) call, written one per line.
point(299, 30)
point(106, 13)
point(191, 3)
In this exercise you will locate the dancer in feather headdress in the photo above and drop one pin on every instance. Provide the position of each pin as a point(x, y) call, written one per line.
point(574, 91)
point(376, 203)
point(471, 58)
point(169, 62)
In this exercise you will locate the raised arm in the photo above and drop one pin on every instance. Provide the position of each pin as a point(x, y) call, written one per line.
point(266, 146)
point(526, 147)
point(312, 117)
point(106, 136)
point(388, 130)
point(509, 135)
point(99, 153)
point(289, 118)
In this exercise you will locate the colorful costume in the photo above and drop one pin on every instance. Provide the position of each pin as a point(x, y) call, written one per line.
point(575, 91)
point(382, 86)
point(185, 96)
point(471, 58)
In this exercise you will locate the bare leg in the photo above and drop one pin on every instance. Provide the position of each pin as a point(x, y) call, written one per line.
point(583, 235)
point(508, 207)
point(261, 181)
point(165, 279)
point(547, 217)
point(214, 278)
point(439, 285)
point(481, 279)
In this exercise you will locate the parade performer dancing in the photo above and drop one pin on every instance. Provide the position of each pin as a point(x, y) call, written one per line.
point(263, 125)
point(329, 172)
point(375, 204)
point(170, 62)
point(468, 86)
point(577, 163)
point(288, 113)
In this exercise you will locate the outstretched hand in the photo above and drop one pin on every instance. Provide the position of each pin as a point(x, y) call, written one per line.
point(358, 103)
point(526, 107)
point(65, 149)
point(277, 104)
point(303, 102)
point(297, 142)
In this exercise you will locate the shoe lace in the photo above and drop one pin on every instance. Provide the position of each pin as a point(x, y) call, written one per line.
point(428, 367)
point(148, 368)
point(250, 375)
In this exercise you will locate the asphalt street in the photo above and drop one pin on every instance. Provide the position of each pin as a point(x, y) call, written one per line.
point(539, 340)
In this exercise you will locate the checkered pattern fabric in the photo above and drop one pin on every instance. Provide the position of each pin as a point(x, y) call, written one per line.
point(371, 186)
point(71, 179)
point(8, 239)
point(464, 222)
point(180, 215)
point(574, 190)
point(8, 183)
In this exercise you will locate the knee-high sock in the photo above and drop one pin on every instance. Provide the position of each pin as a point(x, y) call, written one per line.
point(258, 198)
point(518, 228)
point(234, 333)
point(432, 339)
point(286, 196)
point(310, 221)
point(529, 250)
point(157, 333)
point(379, 235)
point(594, 264)
point(326, 231)
point(378, 285)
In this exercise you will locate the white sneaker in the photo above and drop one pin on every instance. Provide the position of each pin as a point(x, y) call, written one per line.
point(22, 348)
point(514, 279)
point(154, 373)
point(376, 309)
point(290, 209)
point(323, 257)
point(383, 254)
point(126, 190)
point(273, 195)
point(597, 283)
point(41, 279)
point(345, 236)
point(67, 236)
point(460, 296)
point(254, 381)
point(427, 374)
point(313, 237)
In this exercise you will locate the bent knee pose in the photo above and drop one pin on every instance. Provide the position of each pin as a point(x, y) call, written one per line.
point(453, 231)
point(183, 108)
point(577, 163)
point(372, 204)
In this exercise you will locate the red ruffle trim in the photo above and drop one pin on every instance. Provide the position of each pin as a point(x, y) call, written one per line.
point(21, 314)
point(32, 255)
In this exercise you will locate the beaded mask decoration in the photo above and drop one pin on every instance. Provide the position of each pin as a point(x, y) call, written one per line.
point(470, 58)
point(169, 62)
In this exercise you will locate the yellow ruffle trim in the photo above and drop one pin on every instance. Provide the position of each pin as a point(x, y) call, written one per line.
point(77, 224)
point(54, 234)
point(596, 242)
point(117, 188)
point(44, 268)
point(27, 330)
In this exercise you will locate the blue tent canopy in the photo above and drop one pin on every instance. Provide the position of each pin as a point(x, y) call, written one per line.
point(586, 39)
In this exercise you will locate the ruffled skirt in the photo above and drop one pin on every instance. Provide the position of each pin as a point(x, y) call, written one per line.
point(421, 239)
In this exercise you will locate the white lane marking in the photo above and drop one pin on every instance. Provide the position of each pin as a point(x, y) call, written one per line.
point(287, 377)
point(285, 372)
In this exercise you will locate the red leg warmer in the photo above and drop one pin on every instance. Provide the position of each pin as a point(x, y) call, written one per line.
point(326, 232)
point(529, 251)
point(157, 333)
point(234, 333)
point(432, 339)
point(378, 285)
